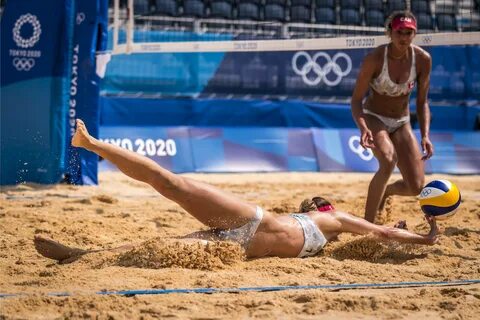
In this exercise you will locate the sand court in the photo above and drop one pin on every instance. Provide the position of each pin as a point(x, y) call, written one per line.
point(122, 211)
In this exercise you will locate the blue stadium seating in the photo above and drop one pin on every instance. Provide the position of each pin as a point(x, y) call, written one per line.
point(248, 11)
point(424, 22)
point(420, 6)
point(257, 2)
point(141, 7)
point(221, 9)
point(279, 2)
point(394, 5)
point(274, 12)
point(374, 18)
point(446, 22)
point(325, 16)
point(325, 4)
point(194, 8)
point(300, 14)
point(350, 17)
point(166, 7)
point(373, 5)
point(305, 3)
point(350, 4)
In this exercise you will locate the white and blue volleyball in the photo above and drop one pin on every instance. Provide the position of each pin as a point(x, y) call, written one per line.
point(440, 198)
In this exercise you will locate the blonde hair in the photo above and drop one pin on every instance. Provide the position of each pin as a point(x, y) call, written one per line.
point(313, 204)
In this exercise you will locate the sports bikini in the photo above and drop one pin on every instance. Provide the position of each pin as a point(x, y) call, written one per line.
point(243, 234)
point(385, 86)
point(314, 238)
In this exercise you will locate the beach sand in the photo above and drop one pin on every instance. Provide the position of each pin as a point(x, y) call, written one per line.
point(121, 211)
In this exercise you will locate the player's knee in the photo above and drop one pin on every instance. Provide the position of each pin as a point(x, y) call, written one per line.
point(167, 186)
point(388, 160)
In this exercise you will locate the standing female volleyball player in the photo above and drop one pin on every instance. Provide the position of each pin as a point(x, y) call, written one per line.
point(391, 71)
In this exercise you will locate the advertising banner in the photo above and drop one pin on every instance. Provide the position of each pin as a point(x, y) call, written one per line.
point(254, 149)
point(35, 42)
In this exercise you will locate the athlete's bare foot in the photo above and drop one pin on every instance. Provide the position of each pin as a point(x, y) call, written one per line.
point(57, 251)
point(81, 138)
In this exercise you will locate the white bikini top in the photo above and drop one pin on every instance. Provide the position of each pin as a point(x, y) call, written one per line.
point(385, 86)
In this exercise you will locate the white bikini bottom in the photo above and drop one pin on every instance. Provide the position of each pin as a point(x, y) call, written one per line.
point(314, 238)
point(391, 124)
point(243, 234)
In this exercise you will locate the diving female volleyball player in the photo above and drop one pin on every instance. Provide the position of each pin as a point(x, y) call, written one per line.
point(390, 71)
point(230, 218)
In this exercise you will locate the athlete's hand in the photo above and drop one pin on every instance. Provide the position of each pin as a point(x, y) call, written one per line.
point(427, 148)
point(366, 139)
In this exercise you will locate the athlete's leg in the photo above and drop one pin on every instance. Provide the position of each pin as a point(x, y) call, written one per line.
point(410, 163)
point(385, 153)
point(211, 206)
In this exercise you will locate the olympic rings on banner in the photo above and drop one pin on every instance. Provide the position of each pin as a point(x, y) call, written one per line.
point(354, 145)
point(321, 72)
point(23, 64)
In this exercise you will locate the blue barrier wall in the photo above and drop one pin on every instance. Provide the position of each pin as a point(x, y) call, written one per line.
point(263, 113)
point(196, 149)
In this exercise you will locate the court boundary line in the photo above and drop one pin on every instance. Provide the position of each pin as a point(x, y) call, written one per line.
point(332, 287)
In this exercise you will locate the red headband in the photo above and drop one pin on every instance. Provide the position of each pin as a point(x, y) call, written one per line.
point(404, 23)
point(324, 208)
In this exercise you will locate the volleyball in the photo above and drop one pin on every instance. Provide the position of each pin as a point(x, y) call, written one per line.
point(440, 198)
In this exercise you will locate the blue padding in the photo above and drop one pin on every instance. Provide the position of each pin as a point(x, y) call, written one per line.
point(245, 113)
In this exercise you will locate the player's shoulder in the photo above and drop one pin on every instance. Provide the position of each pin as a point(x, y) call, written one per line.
point(421, 53)
point(375, 55)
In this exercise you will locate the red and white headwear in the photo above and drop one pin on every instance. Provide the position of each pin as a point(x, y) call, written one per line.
point(404, 23)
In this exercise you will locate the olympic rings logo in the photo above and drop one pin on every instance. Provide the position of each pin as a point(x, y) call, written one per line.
point(23, 64)
point(321, 72)
point(354, 145)
point(37, 30)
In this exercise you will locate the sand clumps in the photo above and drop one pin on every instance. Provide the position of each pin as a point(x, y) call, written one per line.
point(161, 253)
point(367, 248)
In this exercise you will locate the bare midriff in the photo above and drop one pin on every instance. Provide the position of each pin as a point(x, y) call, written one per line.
point(392, 107)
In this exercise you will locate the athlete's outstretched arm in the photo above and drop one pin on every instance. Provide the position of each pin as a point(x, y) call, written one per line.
point(356, 225)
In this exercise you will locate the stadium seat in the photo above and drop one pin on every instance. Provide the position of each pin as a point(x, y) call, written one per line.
point(141, 7)
point(305, 3)
point(300, 14)
point(248, 11)
point(279, 2)
point(394, 5)
point(194, 8)
point(350, 4)
point(446, 22)
point(420, 6)
point(374, 18)
point(221, 9)
point(257, 2)
point(374, 5)
point(325, 4)
point(445, 6)
point(274, 12)
point(425, 22)
point(350, 17)
point(325, 16)
point(166, 7)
